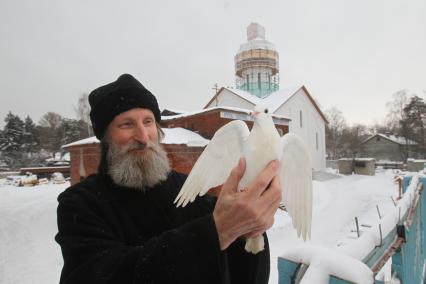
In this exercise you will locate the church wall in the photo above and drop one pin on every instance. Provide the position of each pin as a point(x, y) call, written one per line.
point(312, 130)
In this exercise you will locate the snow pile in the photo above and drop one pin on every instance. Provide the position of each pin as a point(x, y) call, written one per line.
point(360, 248)
point(28, 252)
point(345, 261)
point(324, 262)
point(336, 202)
point(90, 140)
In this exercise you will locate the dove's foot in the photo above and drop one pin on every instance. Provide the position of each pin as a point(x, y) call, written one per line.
point(255, 244)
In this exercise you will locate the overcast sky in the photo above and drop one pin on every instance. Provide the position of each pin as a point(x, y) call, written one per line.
point(349, 54)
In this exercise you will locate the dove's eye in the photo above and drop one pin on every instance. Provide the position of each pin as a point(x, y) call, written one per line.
point(266, 110)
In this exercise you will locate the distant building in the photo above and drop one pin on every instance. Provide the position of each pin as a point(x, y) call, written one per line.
point(388, 147)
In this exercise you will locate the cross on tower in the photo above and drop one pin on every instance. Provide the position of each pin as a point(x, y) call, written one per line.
point(216, 88)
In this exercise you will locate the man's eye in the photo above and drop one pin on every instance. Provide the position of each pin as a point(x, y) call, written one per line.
point(125, 124)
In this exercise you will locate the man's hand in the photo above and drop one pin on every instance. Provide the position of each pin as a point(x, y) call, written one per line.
point(249, 212)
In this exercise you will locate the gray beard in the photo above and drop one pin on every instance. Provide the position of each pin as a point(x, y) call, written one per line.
point(137, 170)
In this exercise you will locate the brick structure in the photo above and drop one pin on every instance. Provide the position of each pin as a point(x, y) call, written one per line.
point(181, 157)
point(208, 121)
point(359, 166)
point(90, 153)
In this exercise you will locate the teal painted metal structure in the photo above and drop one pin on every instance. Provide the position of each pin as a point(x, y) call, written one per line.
point(408, 262)
point(259, 90)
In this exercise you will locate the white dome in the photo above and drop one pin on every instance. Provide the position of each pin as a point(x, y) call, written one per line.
point(257, 43)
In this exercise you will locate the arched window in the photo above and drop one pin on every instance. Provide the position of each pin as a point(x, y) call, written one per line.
point(301, 118)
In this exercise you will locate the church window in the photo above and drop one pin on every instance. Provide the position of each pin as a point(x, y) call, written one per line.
point(316, 140)
point(300, 119)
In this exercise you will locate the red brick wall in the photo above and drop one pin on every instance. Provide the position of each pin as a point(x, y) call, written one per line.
point(182, 158)
point(91, 158)
point(206, 124)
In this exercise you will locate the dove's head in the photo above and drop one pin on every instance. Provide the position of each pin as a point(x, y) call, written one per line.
point(261, 116)
point(259, 111)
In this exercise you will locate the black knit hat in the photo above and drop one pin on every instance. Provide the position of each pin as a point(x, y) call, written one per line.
point(119, 96)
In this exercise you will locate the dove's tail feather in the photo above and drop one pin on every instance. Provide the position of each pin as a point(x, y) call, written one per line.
point(255, 244)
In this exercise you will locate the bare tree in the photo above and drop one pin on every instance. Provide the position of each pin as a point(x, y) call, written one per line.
point(49, 132)
point(334, 131)
point(396, 110)
point(83, 112)
point(351, 139)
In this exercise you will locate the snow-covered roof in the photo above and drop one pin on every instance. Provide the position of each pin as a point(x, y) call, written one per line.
point(178, 111)
point(90, 140)
point(416, 160)
point(394, 138)
point(236, 109)
point(180, 135)
point(190, 113)
point(176, 135)
point(272, 101)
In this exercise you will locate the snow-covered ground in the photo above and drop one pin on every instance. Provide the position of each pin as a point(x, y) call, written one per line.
point(29, 254)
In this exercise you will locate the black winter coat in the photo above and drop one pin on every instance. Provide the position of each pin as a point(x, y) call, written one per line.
point(112, 234)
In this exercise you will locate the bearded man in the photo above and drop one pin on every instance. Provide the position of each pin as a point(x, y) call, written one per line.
point(121, 226)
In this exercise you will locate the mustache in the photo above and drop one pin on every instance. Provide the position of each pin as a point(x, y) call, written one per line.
point(135, 145)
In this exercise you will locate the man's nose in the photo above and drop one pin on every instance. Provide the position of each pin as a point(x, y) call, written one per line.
point(141, 134)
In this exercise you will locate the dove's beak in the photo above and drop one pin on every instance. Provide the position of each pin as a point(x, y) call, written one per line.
point(255, 113)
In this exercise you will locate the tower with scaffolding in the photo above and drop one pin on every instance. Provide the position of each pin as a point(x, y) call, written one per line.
point(257, 64)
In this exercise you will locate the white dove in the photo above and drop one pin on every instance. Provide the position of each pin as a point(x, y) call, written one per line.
point(260, 146)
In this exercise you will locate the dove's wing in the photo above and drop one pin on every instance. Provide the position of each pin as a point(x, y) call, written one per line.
point(216, 162)
point(296, 181)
